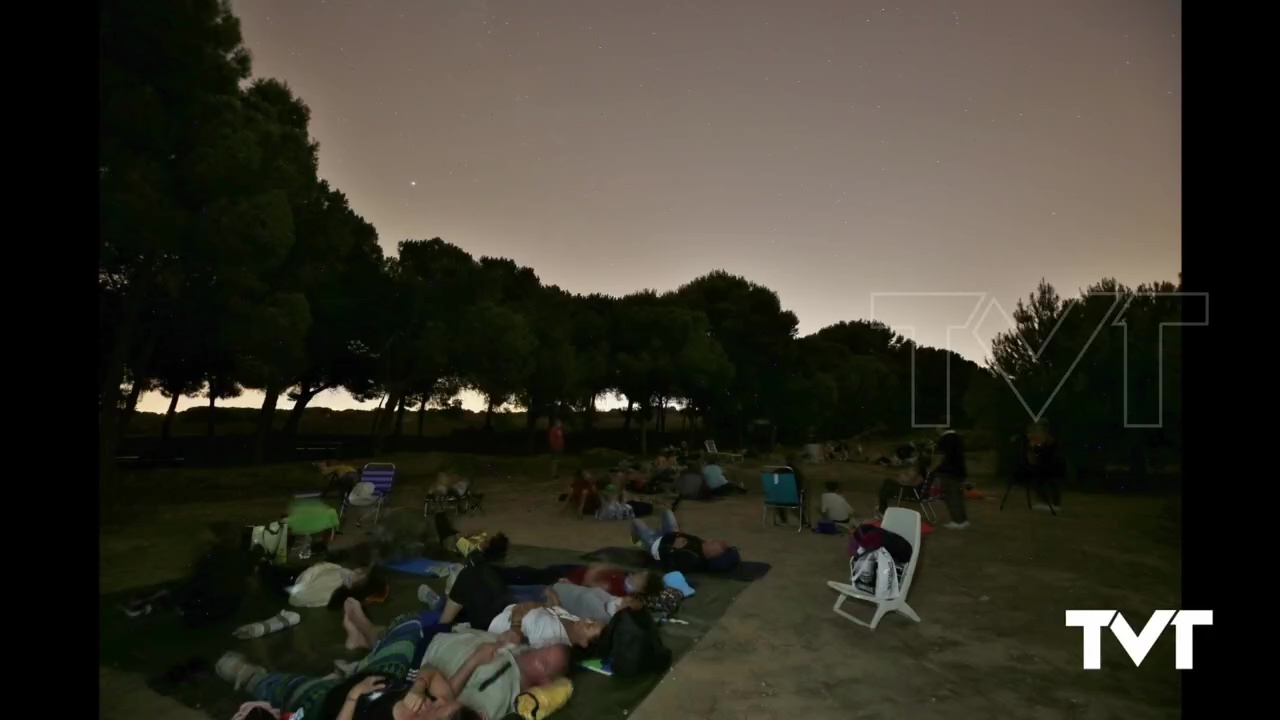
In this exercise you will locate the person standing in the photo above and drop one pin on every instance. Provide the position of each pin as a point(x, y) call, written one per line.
point(950, 472)
point(1047, 467)
point(555, 438)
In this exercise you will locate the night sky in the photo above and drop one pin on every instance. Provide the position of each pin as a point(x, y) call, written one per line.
point(827, 149)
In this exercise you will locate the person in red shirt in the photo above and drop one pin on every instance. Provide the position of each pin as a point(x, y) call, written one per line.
point(616, 581)
point(555, 438)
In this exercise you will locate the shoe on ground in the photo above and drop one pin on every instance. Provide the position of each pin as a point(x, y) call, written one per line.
point(957, 526)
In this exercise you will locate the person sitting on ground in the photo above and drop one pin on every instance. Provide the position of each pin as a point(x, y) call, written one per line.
point(377, 686)
point(834, 507)
point(691, 484)
point(717, 484)
point(339, 476)
point(677, 551)
point(583, 497)
point(613, 500)
point(539, 625)
point(914, 477)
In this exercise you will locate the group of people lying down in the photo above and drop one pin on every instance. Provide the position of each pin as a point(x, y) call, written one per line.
point(610, 497)
point(499, 644)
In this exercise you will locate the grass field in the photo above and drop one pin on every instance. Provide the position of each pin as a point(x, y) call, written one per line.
point(992, 598)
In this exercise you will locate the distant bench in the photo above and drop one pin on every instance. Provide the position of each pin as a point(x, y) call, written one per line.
point(318, 449)
point(140, 461)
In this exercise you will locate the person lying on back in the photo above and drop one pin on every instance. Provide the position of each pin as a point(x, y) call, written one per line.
point(489, 676)
point(591, 603)
point(615, 580)
point(538, 625)
point(682, 552)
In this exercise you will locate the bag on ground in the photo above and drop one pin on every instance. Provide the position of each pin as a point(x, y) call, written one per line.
point(631, 644)
point(273, 538)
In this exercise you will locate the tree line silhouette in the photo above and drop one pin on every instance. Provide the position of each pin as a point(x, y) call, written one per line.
point(226, 262)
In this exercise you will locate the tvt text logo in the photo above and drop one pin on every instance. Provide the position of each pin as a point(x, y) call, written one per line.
point(970, 312)
point(1138, 645)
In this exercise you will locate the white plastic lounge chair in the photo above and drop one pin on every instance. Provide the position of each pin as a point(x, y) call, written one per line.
point(907, 524)
point(734, 458)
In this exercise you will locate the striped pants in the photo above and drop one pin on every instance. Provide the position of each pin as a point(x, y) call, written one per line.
point(393, 656)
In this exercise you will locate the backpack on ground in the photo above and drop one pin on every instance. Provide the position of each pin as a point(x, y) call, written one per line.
point(632, 646)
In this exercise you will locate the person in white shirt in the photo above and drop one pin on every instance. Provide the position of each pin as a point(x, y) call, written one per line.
point(834, 507)
point(542, 626)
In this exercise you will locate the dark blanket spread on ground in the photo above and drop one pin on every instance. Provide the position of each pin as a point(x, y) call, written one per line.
point(747, 570)
point(151, 645)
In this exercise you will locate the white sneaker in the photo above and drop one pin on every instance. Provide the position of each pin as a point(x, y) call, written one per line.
point(956, 525)
point(428, 597)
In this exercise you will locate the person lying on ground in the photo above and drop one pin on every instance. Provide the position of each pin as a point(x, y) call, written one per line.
point(329, 584)
point(476, 594)
point(377, 686)
point(616, 581)
point(591, 603)
point(481, 670)
point(677, 551)
point(490, 687)
point(539, 625)
point(491, 547)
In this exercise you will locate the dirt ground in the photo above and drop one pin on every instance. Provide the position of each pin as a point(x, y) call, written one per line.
point(992, 598)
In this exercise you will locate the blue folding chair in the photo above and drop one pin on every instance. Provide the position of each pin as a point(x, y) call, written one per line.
point(382, 476)
point(782, 492)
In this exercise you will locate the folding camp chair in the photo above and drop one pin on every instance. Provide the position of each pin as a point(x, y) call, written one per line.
point(781, 491)
point(734, 458)
point(471, 502)
point(1031, 482)
point(907, 524)
point(382, 476)
point(921, 494)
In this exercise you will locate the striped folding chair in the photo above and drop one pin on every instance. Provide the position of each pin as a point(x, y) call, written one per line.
point(381, 476)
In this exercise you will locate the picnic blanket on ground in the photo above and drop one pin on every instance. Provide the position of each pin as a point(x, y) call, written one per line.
point(151, 645)
point(747, 570)
point(423, 567)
